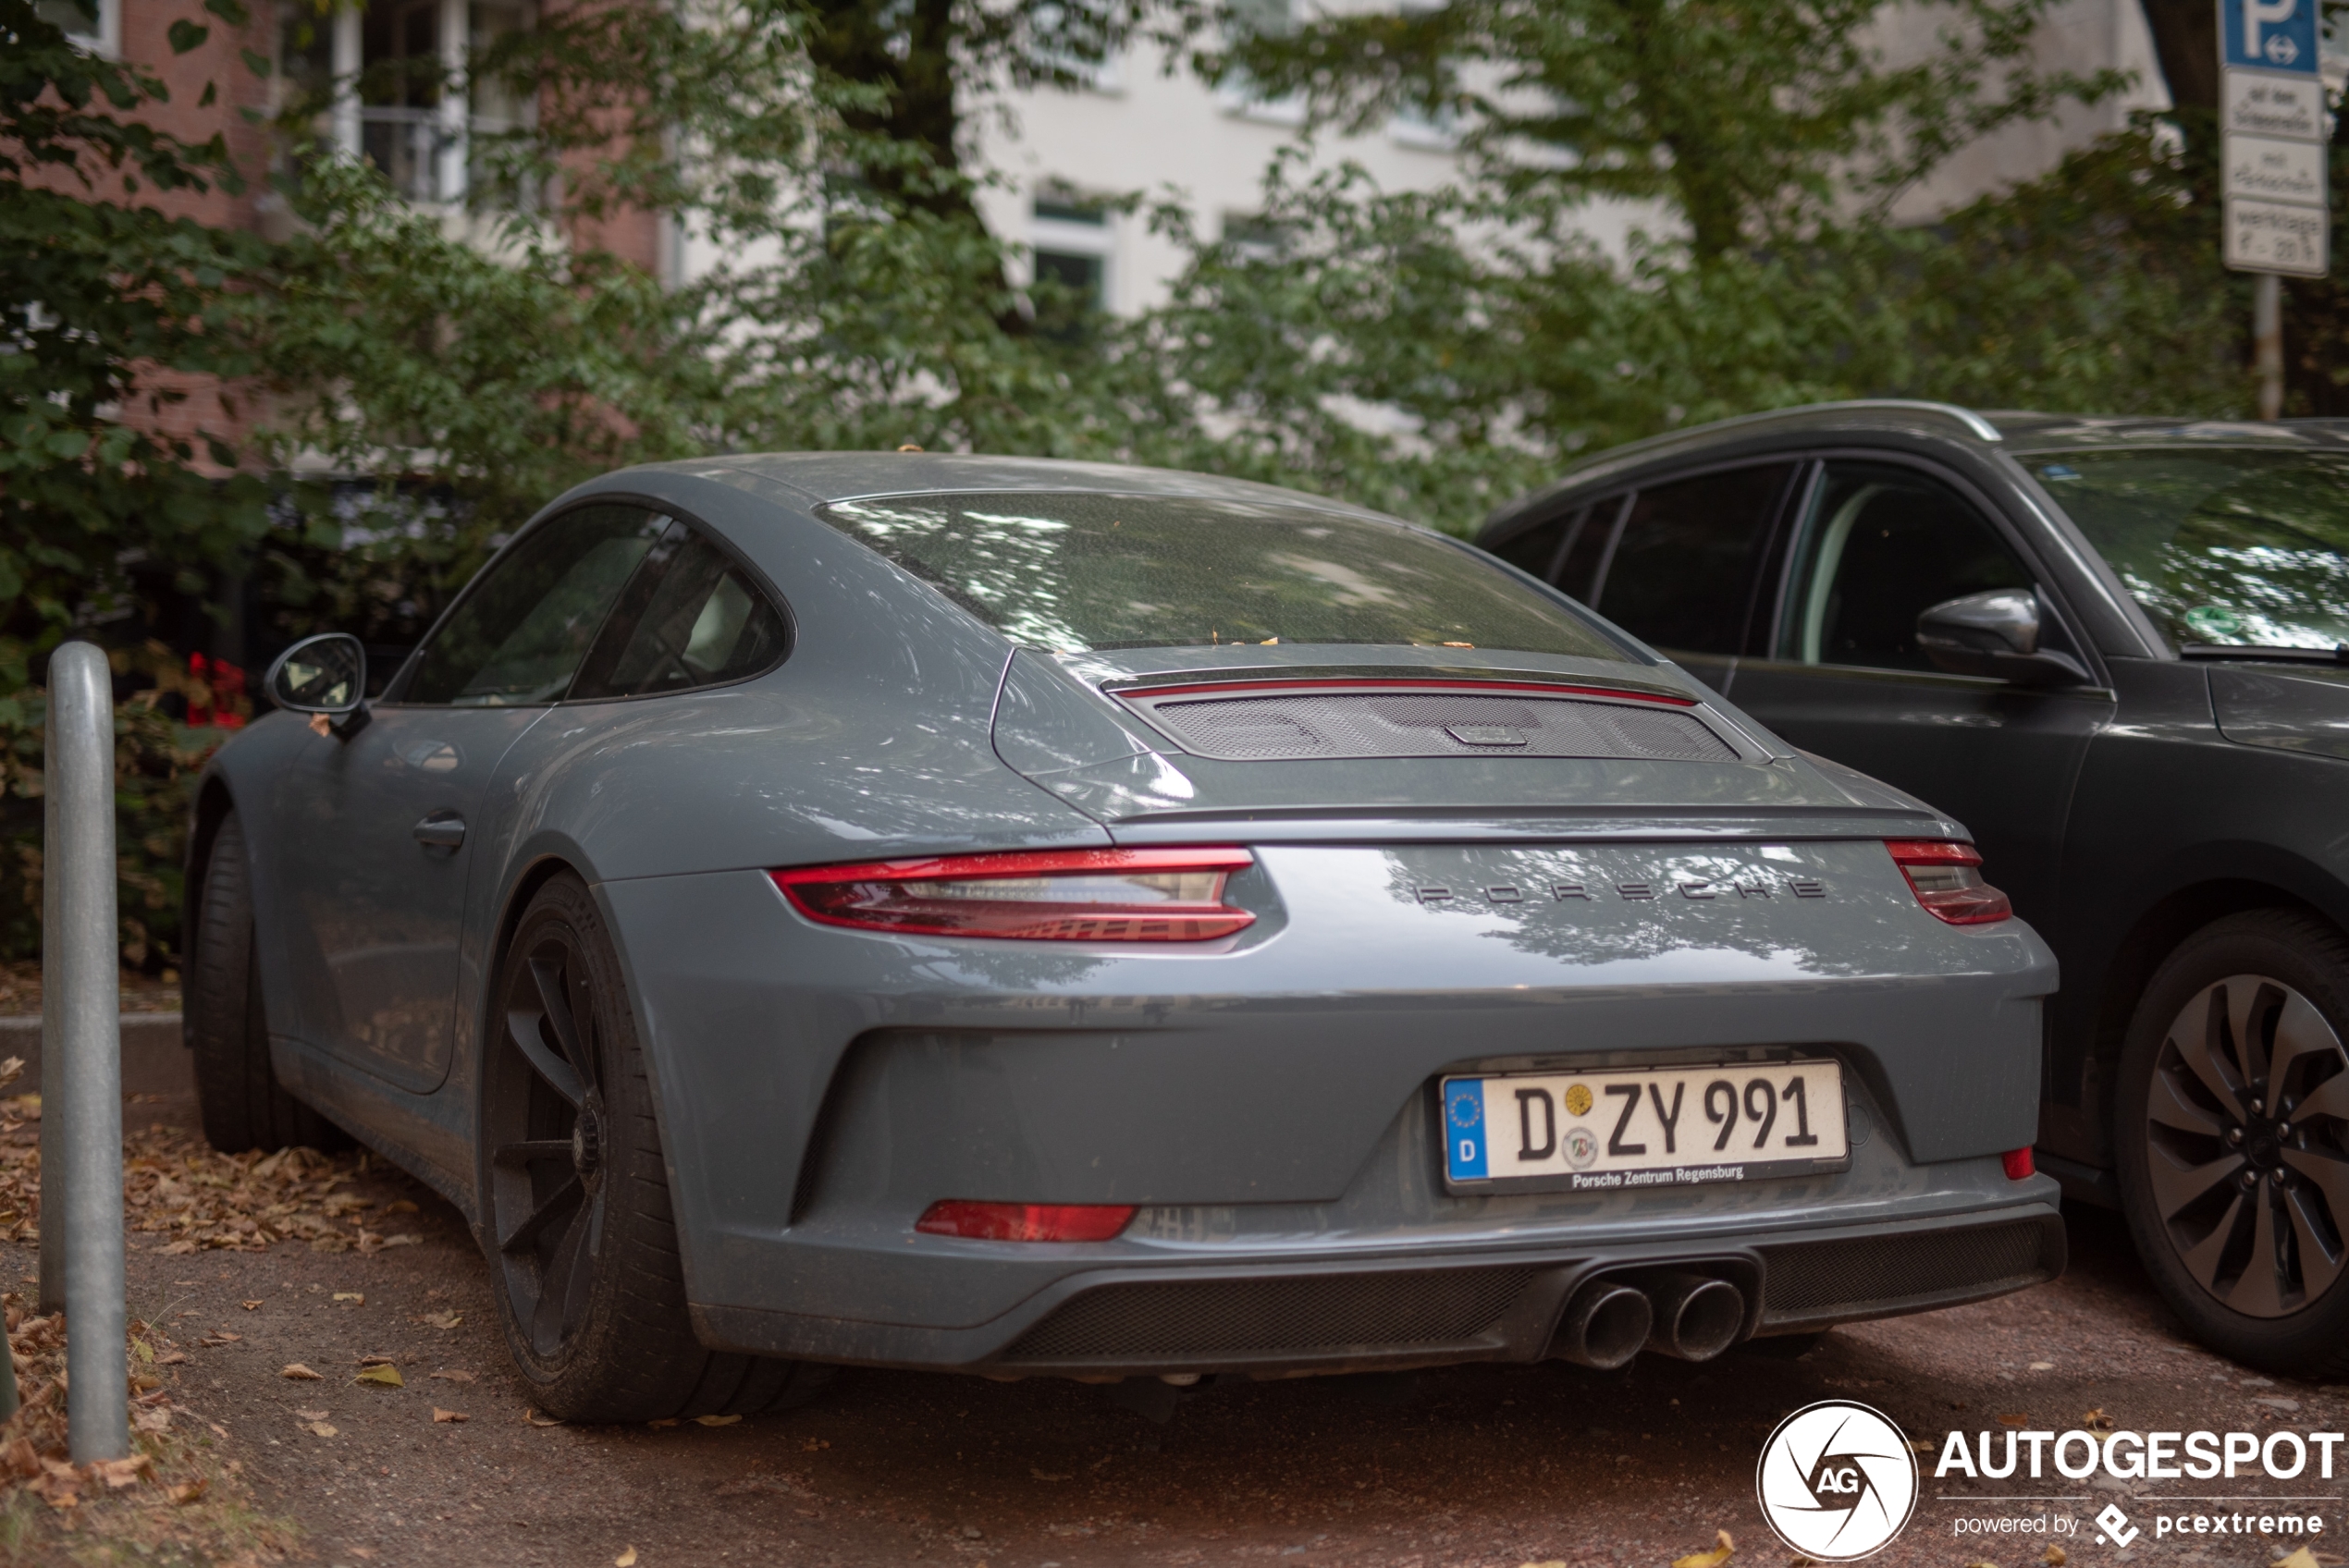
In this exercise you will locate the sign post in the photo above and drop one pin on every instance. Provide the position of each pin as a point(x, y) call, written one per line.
point(2277, 197)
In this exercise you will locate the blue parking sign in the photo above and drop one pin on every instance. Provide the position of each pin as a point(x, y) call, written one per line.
point(2271, 35)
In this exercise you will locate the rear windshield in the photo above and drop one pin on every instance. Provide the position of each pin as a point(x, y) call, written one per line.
point(1073, 573)
point(2223, 545)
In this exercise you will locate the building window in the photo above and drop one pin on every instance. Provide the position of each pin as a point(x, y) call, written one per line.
point(395, 74)
point(1071, 244)
point(96, 25)
point(1239, 93)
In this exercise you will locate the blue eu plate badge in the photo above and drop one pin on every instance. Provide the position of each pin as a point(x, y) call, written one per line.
point(1464, 1129)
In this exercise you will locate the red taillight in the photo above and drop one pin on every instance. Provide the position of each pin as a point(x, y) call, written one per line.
point(1024, 1221)
point(2019, 1164)
point(1945, 876)
point(1040, 895)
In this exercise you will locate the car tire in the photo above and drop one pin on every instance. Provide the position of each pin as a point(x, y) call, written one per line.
point(2231, 1136)
point(224, 1021)
point(576, 1216)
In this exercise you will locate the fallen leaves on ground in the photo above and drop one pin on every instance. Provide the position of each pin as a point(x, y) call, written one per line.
point(250, 1305)
point(625, 1560)
point(128, 1507)
point(300, 1372)
point(440, 1319)
point(2302, 1558)
point(716, 1420)
point(176, 1185)
point(1724, 1547)
point(313, 1414)
point(536, 1419)
point(2097, 1420)
point(320, 1427)
point(2054, 1557)
point(439, 1414)
point(383, 1373)
point(455, 1375)
point(360, 1297)
point(2017, 1418)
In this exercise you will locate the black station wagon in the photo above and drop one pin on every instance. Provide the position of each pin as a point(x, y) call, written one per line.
point(2117, 650)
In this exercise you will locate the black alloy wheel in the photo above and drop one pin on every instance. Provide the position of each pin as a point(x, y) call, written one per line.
point(576, 1216)
point(2236, 1182)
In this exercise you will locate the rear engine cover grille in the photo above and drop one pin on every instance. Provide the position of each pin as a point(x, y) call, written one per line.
point(1825, 1278)
point(1316, 1314)
point(1428, 724)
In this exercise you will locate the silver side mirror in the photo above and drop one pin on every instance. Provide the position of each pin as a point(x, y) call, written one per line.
point(326, 674)
point(1995, 634)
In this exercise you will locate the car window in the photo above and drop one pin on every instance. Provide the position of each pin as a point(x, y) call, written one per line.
point(1073, 572)
point(1880, 545)
point(1681, 574)
point(689, 618)
point(2224, 547)
point(1536, 549)
point(520, 632)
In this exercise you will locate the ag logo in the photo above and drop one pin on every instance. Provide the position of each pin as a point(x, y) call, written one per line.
point(1837, 1481)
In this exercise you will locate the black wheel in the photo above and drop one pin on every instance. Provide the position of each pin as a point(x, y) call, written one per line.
point(2233, 1129)
point(576, 1217)
point(224, 1023)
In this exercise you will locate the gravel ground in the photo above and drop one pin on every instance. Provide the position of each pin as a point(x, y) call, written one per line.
point(1475, 1466)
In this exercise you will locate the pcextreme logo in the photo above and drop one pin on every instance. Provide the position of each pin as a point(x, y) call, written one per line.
point(1837, 1481)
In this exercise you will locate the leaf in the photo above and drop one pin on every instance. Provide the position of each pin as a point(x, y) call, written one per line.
point(439, 1414)
point(2040, 1366)
point(312, 1415)
point(454, 1376)
point(2016, 1418)
point(144, 1351)
point(186, 35)
point(625, 1560)
point(2302, 1558)
point(385, 1376)
point(255, 63)
point(359, 1296)
point(250, 1305)
point(716, 1420)
point(2054, 1557)
point(187, 1492)
point(407, 1240)
point(537, 1420)
point(301, 1373)
point(2097, 1420)
point(321, 1429)
point(398, 1205)
point(120, 1473)
point(440, 1320)
point(1724, 1548)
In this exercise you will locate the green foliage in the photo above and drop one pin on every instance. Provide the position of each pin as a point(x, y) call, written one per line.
point(1753, 119)
point(156, 765)
point(107, 309)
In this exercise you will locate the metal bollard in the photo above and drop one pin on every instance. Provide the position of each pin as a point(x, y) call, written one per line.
point(81, 1126)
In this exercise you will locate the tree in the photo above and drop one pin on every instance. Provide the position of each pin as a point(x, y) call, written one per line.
point(110, 313)
point(1752, 119)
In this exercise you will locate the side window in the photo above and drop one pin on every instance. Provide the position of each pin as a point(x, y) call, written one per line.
point(1535, 549)
point(689, 618)
point(517, 635)
point(1681, 572)
point(1881, 544)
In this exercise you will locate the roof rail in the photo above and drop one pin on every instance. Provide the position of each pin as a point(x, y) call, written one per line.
point(1967, 417)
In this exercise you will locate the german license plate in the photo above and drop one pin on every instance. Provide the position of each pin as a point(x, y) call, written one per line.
point(1661, 1127)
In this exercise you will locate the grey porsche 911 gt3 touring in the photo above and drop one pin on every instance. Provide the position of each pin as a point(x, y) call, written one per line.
point(1025, 917)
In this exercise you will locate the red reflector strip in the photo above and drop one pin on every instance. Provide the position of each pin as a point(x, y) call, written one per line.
point(1398, 683)
point(2019, 1164)
point(1945, 876)
point(1153, 895)
point(1024, 1221)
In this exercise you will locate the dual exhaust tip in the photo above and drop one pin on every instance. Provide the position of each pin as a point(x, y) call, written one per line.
point(1694, 1316)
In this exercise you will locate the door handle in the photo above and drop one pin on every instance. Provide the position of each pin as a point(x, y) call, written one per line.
point(441, 830)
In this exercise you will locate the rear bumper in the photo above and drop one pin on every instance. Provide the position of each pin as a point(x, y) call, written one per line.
point(1301, 1316)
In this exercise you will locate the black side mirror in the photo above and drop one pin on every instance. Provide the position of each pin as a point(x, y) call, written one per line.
point(325, 675)
point(1995, 634)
